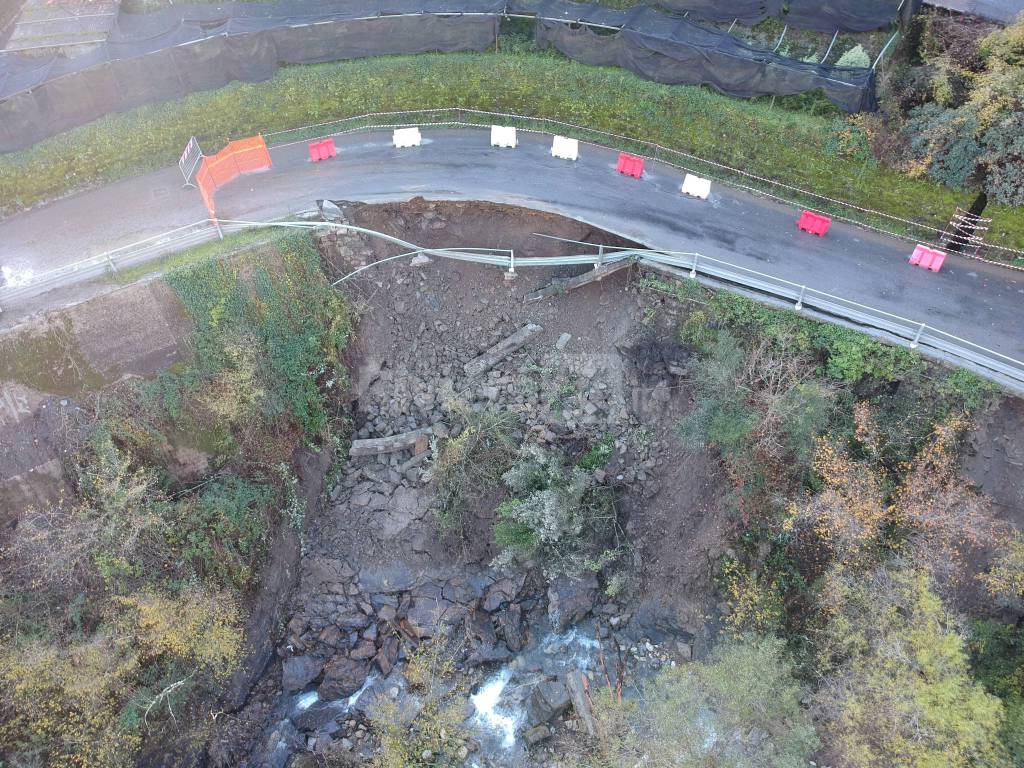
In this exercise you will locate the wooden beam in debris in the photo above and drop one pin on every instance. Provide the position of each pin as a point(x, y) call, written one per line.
point(418, 440)
point(501, 350)
point(592, 276)
point(581, 700)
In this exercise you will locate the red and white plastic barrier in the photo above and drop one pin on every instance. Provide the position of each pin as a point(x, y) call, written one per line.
point(695, 186)
point(630, 165)
point(407, 137)
point(814, 223)
point(565, 148)
point(503, 136)
point(322, 150)
point(928, 258)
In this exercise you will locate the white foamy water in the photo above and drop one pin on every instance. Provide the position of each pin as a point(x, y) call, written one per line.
point(489, 715)
point(351, 700)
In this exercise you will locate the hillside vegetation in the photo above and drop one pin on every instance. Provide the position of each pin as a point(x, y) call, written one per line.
point(123, 606)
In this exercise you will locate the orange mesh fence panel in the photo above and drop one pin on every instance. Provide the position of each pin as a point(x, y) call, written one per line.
point(238, 157)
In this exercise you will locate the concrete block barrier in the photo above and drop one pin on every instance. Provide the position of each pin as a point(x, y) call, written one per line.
point(407, 137)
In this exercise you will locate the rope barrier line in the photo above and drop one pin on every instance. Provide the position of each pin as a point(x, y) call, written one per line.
point(657, 147)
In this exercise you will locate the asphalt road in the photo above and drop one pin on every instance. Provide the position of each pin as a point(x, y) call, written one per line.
point(976, 301)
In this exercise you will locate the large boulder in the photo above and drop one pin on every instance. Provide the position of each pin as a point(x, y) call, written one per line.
point(548, 700)
point(510, 621)
point(342, 677)
point(299, 671)
point(569, 600)
point(503, 591)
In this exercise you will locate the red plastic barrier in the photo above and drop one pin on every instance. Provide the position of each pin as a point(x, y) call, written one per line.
point(630, 165)
point(238, 157)
point(928, 258)
point(814, 223)
point(322, 150)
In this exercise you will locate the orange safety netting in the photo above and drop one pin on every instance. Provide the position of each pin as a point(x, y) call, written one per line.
point(238, 157)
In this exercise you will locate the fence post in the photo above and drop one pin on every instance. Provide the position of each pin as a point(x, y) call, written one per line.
point(917, 338)
point(800, 301)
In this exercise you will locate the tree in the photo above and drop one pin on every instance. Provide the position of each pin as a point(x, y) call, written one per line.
point(1004, 158)
point(944, 144)
point(897, 688)
point(557, 516)
point(944, 515)
point(849, 513)
point(741, 708)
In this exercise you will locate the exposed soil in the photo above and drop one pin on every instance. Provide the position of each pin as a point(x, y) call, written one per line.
point(995, 459)
point(374, 550)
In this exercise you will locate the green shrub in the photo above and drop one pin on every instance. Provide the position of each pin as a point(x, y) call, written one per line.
point(852, 356)
point(222, 533)
point(855, 57)
point(944, 143)
point(469, 463)
point(598, 455)
point(1004, 159)
point(558, 517)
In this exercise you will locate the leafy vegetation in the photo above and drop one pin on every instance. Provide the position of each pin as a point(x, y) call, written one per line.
point(123, 603)
point(859, 540)
point(959, 109)
point(558, 517)
point(739, 708)
point(775, 143)
point(470, 461)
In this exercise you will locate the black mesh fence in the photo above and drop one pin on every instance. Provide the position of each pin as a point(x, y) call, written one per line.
point(166, 55)
point(822, 15)
point(688, 54)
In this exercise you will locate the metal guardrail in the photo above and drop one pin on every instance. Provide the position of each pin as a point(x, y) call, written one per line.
point(1007, 370)
point(914, 333)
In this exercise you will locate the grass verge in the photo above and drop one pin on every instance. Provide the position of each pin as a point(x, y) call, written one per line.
point(779, 144)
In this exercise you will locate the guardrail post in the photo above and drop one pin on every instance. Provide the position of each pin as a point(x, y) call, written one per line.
point(693, 269)
point(113, 266)
point(917, 338)
point(511, 274)
point(800, 301)
point(220, 232)
point(600, 256)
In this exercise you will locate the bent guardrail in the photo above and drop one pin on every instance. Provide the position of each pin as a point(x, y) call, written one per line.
point(1003, 368)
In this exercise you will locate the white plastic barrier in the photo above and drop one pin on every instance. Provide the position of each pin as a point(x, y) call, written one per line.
point(503, 136)
point(695, 186)
point(407, 137)
point(565, 148)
